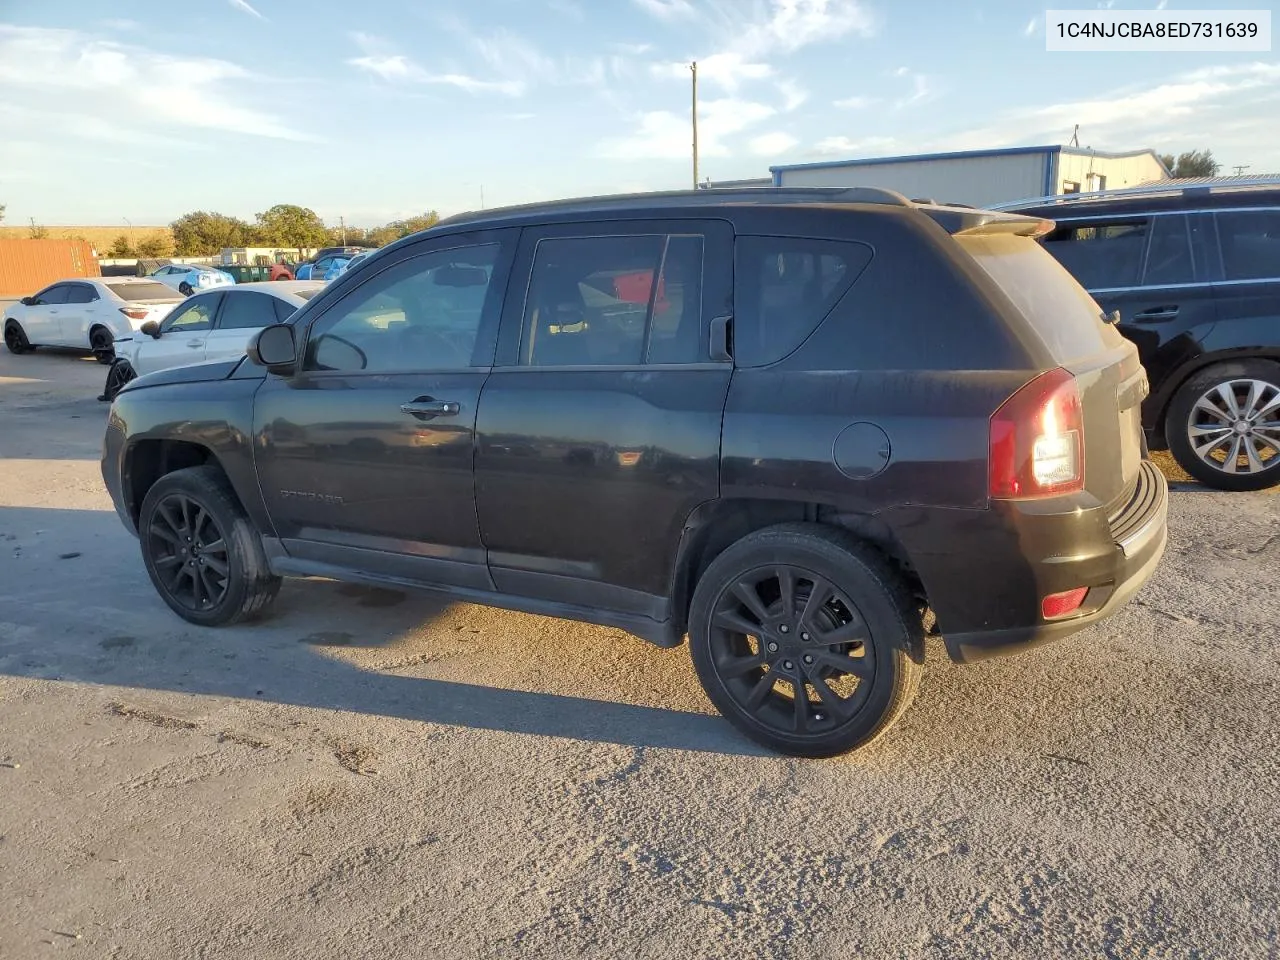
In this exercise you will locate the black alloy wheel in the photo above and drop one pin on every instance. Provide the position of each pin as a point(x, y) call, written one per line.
point(15, 338)
point(201, 551)
point(189, 551)
point(102, 344)
point(806, 639)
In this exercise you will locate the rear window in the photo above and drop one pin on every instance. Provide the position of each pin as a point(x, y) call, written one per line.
point(1250, 244)
point(1061, 311)
point(783, 288)
point(143, 291)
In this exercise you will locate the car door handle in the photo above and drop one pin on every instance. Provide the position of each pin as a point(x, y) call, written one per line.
point(1156, 314)
point(425, 407)
point(195, 344)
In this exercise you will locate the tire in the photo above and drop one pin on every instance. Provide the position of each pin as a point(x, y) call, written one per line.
point(871, 612)
point(174, 501)
point(15, 338)
point(1213, 402)
point(185, 289)
point(121, 372)
point(103, 345)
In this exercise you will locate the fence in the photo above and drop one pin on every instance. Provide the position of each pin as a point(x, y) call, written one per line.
point(28, 265)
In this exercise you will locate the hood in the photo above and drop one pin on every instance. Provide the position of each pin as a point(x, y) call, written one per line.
point(195, 373)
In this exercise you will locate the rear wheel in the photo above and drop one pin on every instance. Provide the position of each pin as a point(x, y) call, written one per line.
point(15, 338)
point(1223, 426)
point(185, 289)
point(806, 640)
point(201, 551)
point(102, 344)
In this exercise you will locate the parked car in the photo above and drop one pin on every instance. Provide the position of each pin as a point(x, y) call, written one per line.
point(88, 313)
point(187, 279)
point(341, 267)
point(316, 269)
point(215, 325)
point(1194, 273)
point(793, 424)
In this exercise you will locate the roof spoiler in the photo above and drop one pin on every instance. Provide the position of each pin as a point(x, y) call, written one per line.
point(968, 222)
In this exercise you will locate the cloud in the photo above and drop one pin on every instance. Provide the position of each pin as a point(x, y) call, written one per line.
point(727, 70)
point(793, 95)
point(921, 91)
point(569, 8)
point(667, 9)
point(846, 146)
point(398, 68)
point(664, 135)
point(58, 74)
point(632, 49)
point(1032, 25)
point(121, 24)
point(771, 144)
point(855, 102)
point(1211, 106)
point(244, 6)
point(737, 48)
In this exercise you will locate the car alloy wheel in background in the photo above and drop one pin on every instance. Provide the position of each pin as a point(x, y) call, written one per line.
point(1224, 425)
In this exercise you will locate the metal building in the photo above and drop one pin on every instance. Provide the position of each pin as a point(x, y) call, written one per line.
point(983, 177)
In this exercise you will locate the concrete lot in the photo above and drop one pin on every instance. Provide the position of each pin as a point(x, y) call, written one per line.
point(368, 774)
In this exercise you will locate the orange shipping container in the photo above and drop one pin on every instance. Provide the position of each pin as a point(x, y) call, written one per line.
point(28, 265)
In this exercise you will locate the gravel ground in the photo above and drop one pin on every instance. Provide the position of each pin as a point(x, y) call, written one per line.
point(369, 774)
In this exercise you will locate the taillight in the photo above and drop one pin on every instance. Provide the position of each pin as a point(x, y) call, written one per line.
point(133, 313)
point(1037, 440)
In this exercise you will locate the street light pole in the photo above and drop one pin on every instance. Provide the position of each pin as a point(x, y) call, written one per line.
point(694, 68)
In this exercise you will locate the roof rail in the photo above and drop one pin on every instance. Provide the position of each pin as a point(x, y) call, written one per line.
point(698, 197)
point(1180, 186)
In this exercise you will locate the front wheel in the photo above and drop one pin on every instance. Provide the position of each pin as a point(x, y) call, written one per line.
point(102, 344)
point(185, 289)
point(201, 551)
point(1223, 425)
point(15, 338)
point(806, 640)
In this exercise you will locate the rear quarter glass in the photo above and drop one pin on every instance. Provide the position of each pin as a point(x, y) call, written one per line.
point(1061, 312)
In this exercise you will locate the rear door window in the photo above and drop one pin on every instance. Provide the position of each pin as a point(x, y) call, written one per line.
point(80, 293)
point(1250, 244)
point(1101, 255)
point(1169, 257)
point(1055, 305)
point(783, 289)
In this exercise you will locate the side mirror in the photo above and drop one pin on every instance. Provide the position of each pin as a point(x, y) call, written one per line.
point(29, 301)
point(273, 347)
point(151, 328)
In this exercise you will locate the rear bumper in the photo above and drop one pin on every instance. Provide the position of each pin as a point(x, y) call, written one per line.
point(1058, 557)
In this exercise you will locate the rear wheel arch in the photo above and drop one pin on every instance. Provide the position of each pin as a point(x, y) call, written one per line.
point(1176, 380)
point(715, 526)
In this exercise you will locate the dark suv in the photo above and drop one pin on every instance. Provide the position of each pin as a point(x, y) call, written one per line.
point(795, 425)
point(1194, 271)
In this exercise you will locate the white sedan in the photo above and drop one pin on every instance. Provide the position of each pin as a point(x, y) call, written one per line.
point(88, 313)
point(187, 279)
point(215, 325)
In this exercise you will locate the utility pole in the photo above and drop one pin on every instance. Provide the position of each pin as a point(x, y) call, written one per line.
point(482, 196)
point(694, 67)
point(342, 223)
point(1240, 168)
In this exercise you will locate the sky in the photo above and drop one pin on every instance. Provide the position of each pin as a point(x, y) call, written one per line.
point(376, 110)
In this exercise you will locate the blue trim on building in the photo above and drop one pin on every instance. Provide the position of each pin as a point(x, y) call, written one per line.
point(777, 176)
point(1051, 173)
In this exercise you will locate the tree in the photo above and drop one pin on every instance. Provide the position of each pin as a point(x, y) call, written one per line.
point(381, 236)
point(1193, 163)
point(121, 248)
point(287, 225)
point(39, 232)
point(156, 245)
point(199, 233)
point(1, 213)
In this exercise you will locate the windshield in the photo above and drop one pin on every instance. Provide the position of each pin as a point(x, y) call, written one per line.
point(142, 291)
